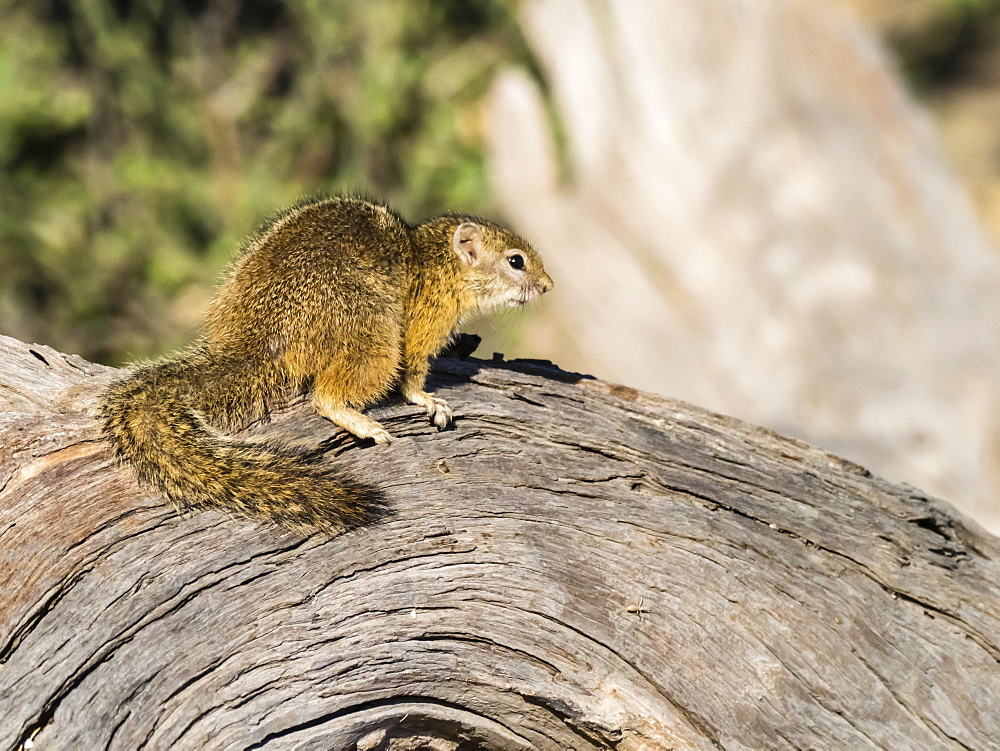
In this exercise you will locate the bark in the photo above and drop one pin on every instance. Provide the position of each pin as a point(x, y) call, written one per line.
point(576, 565)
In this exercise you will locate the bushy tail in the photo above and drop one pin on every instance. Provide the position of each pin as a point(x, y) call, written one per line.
point(150, 419)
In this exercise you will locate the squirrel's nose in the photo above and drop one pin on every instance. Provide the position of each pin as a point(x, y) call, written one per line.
point(545, 283)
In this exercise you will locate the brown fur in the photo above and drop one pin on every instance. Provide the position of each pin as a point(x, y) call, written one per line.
point(338, 295)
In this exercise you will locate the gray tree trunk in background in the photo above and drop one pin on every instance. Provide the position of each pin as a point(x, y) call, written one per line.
point(576, 565)
point(754, 216)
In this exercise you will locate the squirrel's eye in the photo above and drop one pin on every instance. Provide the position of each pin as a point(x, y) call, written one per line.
point(516, 261)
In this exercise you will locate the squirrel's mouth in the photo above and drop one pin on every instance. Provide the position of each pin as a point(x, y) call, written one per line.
point(524, 297)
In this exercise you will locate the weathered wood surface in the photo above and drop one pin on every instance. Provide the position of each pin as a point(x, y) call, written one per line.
point(577, 565)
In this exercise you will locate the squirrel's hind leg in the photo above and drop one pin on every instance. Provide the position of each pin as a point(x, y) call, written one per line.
point(342, 384)
point(351, 420)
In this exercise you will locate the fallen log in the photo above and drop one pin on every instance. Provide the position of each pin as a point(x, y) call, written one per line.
point(577, 565)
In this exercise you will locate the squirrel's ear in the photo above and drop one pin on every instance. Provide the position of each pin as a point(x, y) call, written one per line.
point(468, 243)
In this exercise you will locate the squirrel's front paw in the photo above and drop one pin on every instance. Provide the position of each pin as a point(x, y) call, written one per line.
point(381, 436)
point(437, 409)
point(441, 414)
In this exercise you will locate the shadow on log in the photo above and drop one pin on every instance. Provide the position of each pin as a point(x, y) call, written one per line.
point(578, 565)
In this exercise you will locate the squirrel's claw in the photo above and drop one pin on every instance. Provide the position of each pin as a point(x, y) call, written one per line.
point(441, 414)
point(437, 409)
point(381, 436)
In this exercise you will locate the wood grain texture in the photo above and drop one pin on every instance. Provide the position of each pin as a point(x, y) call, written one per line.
point(577, 565)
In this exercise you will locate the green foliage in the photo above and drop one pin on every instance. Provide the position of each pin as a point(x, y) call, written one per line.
point(142, 140)
point(946, 40)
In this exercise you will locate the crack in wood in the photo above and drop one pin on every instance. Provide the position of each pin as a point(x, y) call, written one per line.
point(413, 714)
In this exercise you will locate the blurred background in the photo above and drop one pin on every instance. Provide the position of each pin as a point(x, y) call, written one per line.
point(783, 210)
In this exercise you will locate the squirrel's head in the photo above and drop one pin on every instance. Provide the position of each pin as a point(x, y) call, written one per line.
point(500, 269)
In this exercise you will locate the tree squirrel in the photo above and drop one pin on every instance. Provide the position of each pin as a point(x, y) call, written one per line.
point(340, 295)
